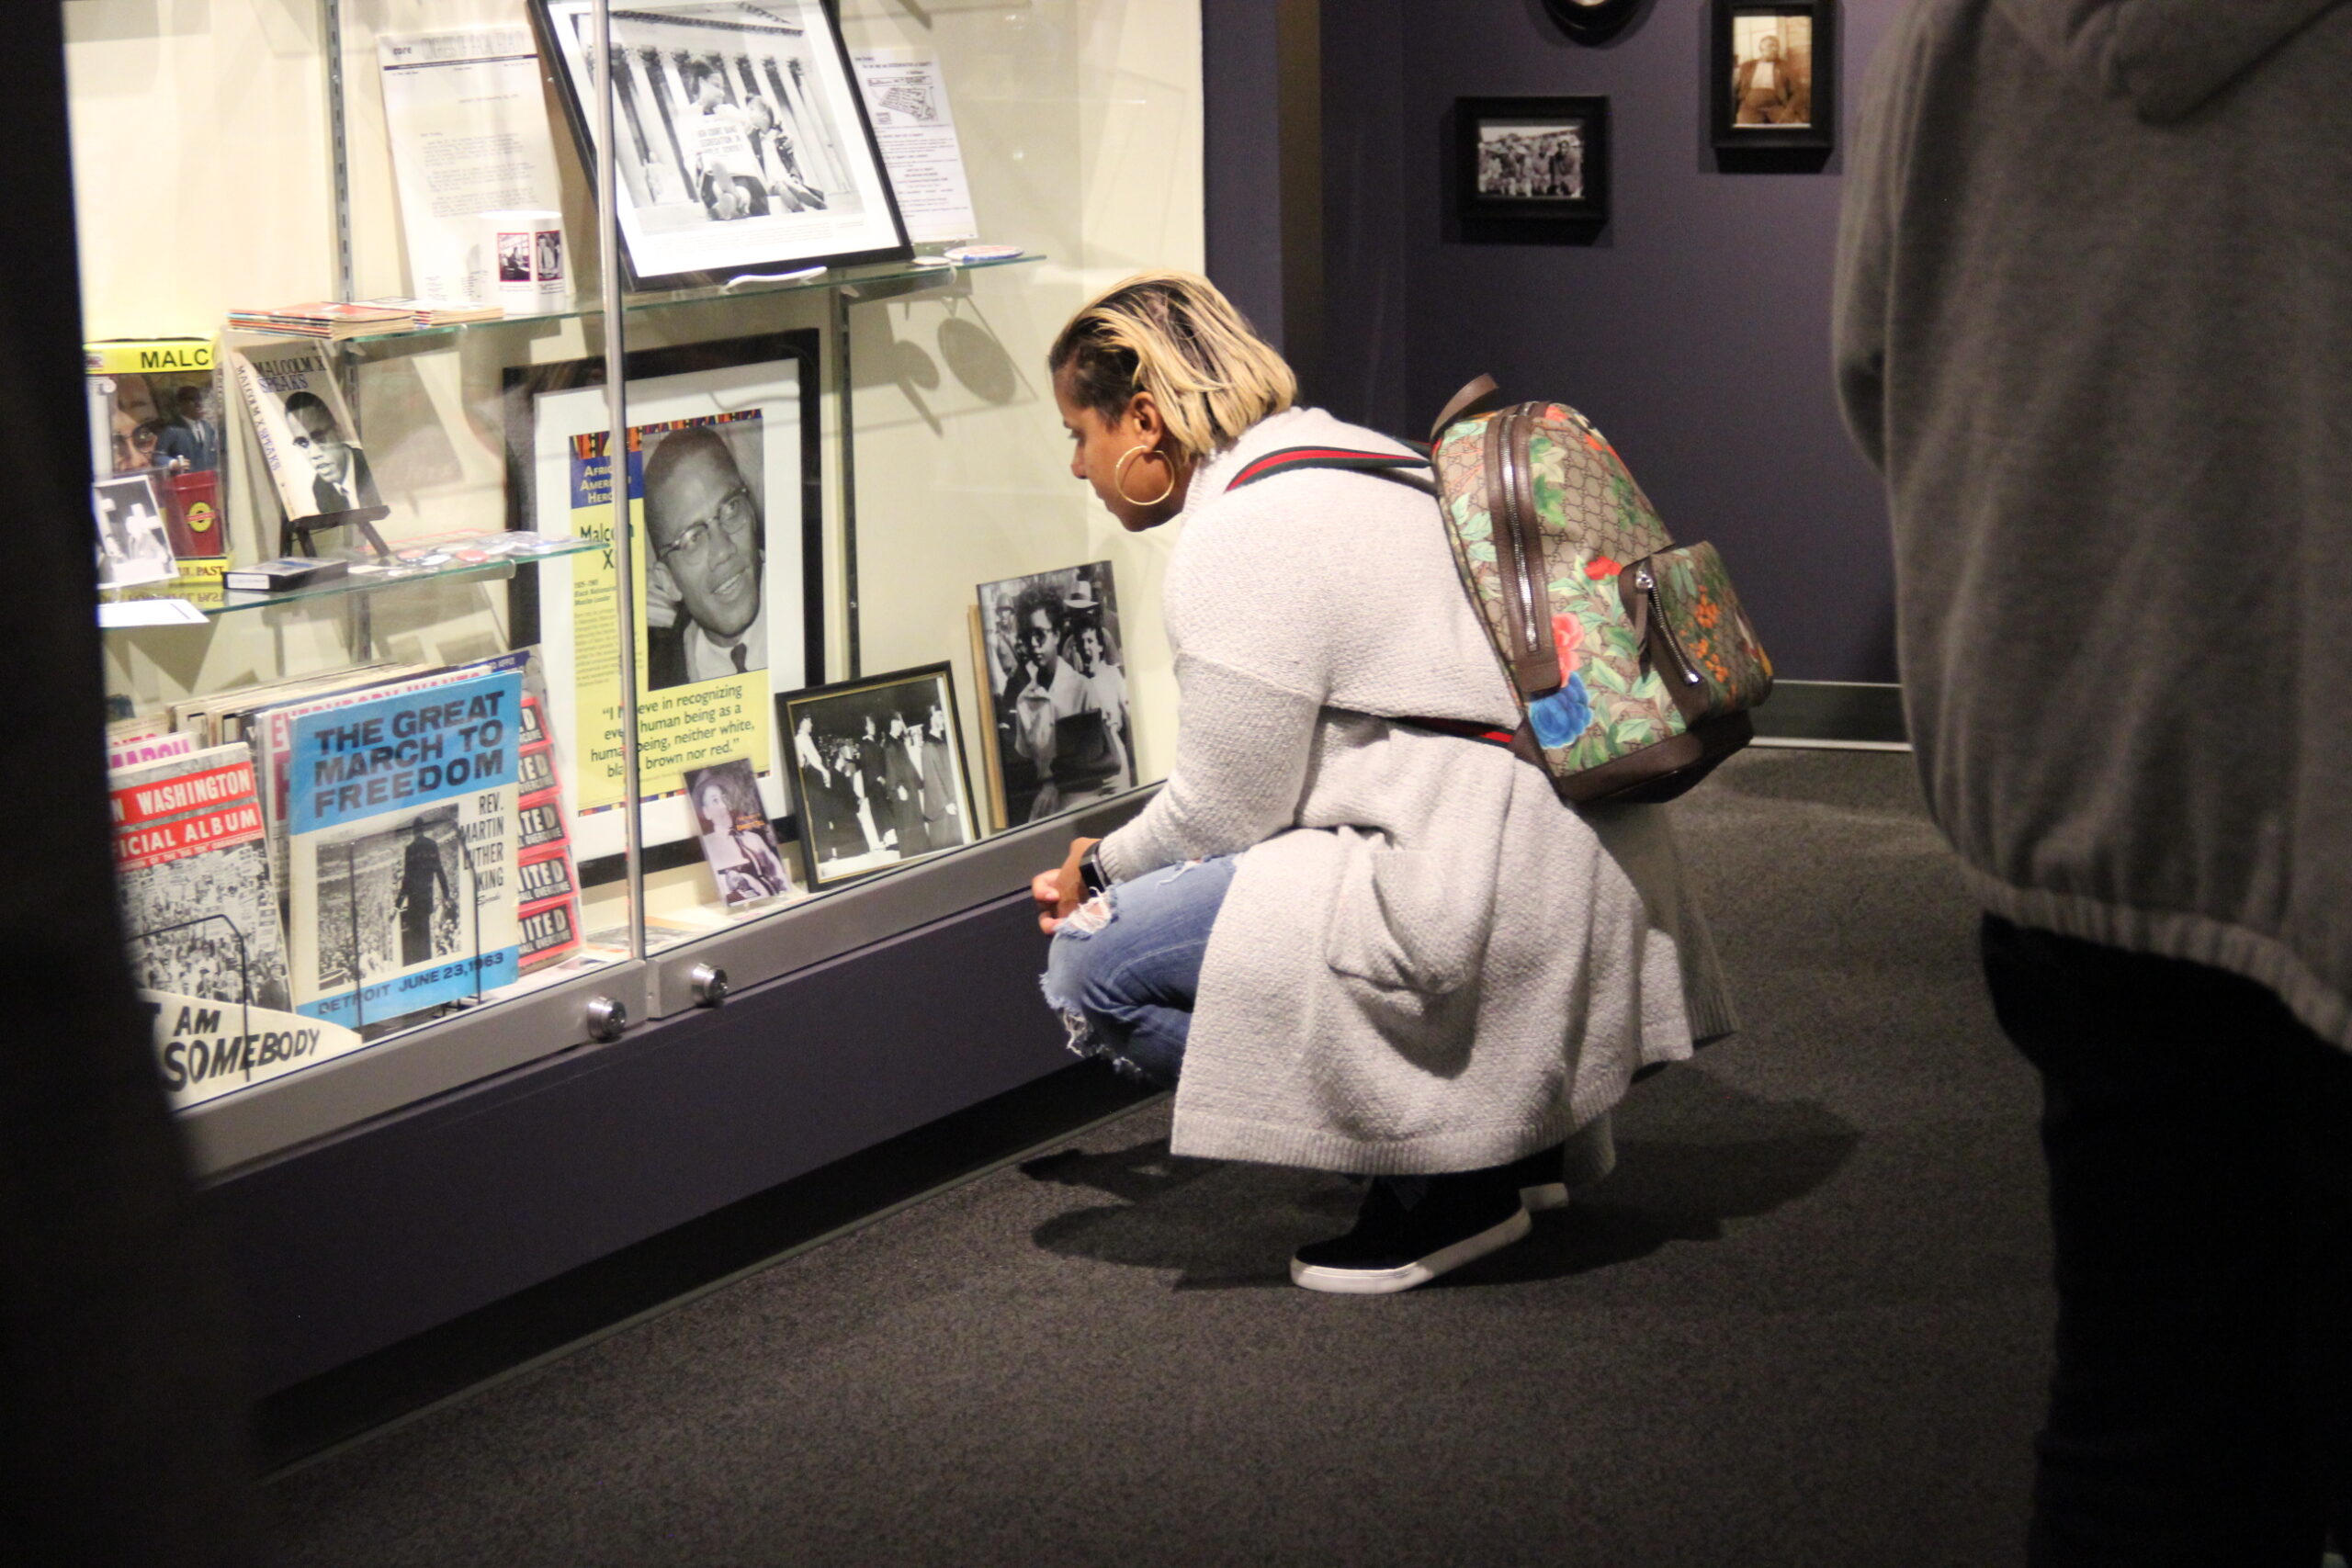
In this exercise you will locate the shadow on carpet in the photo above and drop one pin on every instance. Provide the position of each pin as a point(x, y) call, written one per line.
point(1702, 1154)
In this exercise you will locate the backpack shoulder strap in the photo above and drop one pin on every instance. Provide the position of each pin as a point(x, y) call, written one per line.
point(1284, 459)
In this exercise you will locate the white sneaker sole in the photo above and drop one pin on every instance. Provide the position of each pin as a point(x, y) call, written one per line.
point(1388, 1281)
point(1543, 1197)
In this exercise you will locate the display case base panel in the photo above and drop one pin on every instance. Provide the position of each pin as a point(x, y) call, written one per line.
point(411, 1222)
point(583, 1304)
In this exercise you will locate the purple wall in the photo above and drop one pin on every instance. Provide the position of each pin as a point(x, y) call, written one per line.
point(1240, 96)
point(1695, 332)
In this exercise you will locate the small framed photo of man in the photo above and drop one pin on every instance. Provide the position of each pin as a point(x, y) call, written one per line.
point(878, 777)
point(1532, 160)
point(1775, 78)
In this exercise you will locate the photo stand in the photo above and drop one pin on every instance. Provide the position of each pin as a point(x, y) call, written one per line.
point(298, 532)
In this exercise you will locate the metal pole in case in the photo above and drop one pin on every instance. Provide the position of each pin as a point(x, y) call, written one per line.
point(608, 241)
point(341, 148)
point(845, 428)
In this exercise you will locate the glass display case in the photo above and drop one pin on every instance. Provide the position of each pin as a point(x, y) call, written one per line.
point(426, 769)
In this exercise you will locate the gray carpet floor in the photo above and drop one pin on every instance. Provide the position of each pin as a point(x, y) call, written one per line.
point(1804, 1323)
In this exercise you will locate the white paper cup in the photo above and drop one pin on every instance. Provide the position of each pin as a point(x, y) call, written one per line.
point(525, 260)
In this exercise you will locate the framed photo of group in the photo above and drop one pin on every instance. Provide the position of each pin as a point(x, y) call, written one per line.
point(1532, 160)
point(878, 776)
point(1774, 81)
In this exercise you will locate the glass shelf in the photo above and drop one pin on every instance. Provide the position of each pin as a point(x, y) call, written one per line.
point(878, 277)
point(213, 600)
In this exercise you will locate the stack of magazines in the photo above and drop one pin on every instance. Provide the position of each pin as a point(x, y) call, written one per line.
point(325, 319)
point(442, 312)
point(333, 321)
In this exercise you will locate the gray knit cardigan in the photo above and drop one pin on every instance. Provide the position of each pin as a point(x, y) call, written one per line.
point(1426, 961)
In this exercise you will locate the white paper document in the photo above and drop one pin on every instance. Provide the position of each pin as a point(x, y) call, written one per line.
point(149, 613)
point(906, 97)
point(468, 129)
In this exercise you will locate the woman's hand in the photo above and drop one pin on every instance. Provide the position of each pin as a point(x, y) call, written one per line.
point(1059, 891)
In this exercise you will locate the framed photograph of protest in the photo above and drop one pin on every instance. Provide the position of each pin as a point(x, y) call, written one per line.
point(1055, 656)
point(1532, 160)
point(1772, 84)
point(744, 145)
point(729, 599)
point(877, 771)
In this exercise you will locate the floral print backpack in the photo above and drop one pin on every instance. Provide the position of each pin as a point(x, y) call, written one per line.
point(1634, 665)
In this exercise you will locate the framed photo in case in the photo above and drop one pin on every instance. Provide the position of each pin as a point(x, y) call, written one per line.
point(878, 776)
point(1772, 85)
point(744, 145)
point(729, 543)
point(1532, 160)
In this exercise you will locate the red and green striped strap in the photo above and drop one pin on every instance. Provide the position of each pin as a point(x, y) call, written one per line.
point(1289, 458)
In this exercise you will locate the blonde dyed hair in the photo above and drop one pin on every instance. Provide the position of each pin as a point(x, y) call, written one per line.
point(1174, 335)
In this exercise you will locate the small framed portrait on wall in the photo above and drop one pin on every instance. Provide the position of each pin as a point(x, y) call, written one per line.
point(1774, 82)
point(1532, 160)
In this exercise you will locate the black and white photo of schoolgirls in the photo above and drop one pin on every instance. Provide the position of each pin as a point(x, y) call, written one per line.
point(1056, 672)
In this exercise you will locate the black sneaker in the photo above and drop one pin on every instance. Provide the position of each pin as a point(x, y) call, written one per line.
point(1413, 1228)
point(1540, 1183)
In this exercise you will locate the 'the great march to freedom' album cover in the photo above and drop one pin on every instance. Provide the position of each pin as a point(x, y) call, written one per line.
point(402, 851)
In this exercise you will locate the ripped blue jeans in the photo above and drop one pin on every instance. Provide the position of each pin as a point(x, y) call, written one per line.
point(1126, 966)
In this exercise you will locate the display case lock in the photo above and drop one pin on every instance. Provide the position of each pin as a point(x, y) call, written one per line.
point(709, 983)
point(608, 1019)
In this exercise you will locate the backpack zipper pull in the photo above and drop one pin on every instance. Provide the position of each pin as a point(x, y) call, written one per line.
point(1647, 583)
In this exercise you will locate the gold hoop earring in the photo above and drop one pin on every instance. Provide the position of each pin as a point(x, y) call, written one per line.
point(1119, 477)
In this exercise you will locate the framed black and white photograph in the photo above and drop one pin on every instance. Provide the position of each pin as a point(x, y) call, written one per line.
point(133, 547)
point(729, 548)
point(738, 842)
point(1532, 160)
point(878, 777)
point(744, 145)
point(1056, 658)
point(1774, 78)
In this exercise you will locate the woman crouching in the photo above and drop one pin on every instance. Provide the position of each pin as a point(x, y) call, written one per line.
point(1349, 941)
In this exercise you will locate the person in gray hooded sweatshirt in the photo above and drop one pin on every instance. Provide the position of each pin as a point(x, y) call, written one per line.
point(2095, 323)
